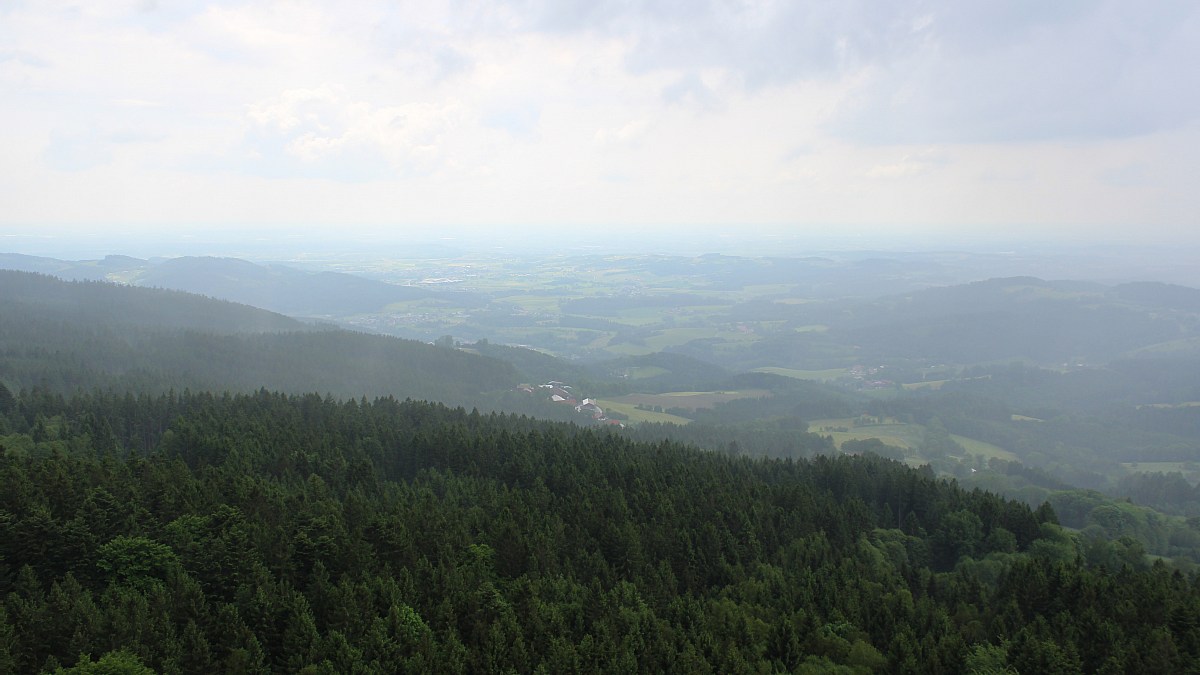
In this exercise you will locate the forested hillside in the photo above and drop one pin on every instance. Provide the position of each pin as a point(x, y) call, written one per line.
point(68, 336)
point(272, 533)
point(276, 287)
point(279, 288)
point(99, 303)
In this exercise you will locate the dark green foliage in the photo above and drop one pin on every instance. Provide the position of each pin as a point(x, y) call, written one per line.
point(873, 446)
point(113, 663)
point(135, 561)
point(6, 399)
point(273, 533)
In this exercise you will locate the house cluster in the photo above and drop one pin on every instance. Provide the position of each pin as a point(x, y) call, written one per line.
point(558, 392)
point(589, 407)
point(868, 377)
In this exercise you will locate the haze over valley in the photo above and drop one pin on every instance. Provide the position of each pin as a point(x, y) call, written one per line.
point(1089, 382)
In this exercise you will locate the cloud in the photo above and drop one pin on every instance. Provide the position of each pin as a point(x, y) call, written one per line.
point(518, 120)
point(562, 111)
point(76, 152)
point(896, 170)
point(625, 134)
point(23, 58)
point(936, 71)
point(691, 90)
point(131, 136)
point(1127, 175)
point(1009, 72)
point(449, 61)
point(908, 165)
point(136, 103)
point(765, 43)
point(320, 132)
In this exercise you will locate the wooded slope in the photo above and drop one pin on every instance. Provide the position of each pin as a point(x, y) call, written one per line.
point(271, 533)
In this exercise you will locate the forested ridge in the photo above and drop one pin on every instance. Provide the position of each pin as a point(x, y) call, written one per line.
point(277, 533)
point(76, 336)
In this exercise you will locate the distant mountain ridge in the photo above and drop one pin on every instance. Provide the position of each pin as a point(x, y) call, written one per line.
point(99, 302)
point(278, 288)
point(820, 321)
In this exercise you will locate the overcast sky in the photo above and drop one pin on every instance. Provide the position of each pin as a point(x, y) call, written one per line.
point(1029, 117)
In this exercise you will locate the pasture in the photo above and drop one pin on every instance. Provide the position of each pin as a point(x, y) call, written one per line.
point(635, 415)
point(690, 400)
point(821, 375)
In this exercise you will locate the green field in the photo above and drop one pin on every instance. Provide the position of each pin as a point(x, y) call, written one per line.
point(690, 400)
point(829, 374)
point(840, 437)
point(1190, 470)
point(891, 432)
point(903, 435)
point(987, 450)
point(630, 410)
point(928, 384)
point(601, 341)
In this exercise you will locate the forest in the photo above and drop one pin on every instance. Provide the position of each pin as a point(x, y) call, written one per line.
point(71, 336)
point(264, 532)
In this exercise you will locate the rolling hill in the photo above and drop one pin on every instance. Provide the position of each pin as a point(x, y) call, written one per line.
point(278, 288)
point(81, 335)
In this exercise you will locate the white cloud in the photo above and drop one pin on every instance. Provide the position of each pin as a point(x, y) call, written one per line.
point(941, 70)
point(908, 165)
point(321, 132)
point(600, 112)
point(626, 133)
point(77, 152)
point(1005, 72)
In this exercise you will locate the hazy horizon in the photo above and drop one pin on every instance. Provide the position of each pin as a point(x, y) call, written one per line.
point(92, 242)
point(977, 258)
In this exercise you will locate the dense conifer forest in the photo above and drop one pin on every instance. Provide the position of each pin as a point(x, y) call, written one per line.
point(266, 532)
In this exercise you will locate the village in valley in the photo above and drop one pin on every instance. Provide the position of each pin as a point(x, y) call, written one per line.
point(563, 394)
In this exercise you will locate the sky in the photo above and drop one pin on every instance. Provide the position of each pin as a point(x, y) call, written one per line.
point(1067, 119)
